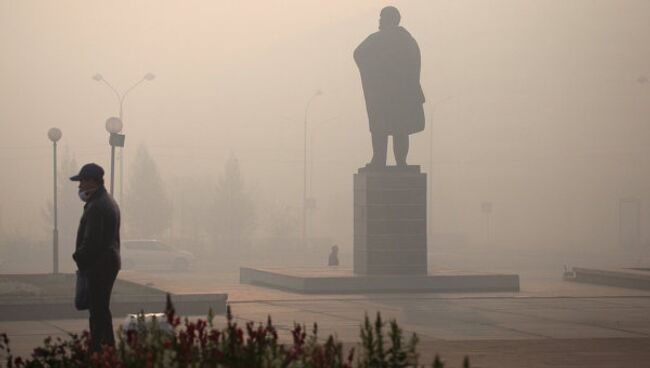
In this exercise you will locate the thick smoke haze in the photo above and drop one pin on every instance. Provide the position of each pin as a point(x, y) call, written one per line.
point(537, 107)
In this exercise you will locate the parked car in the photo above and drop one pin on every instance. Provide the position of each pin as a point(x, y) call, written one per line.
point(154, 255)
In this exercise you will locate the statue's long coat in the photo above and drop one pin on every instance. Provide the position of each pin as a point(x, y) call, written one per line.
point(389, 63)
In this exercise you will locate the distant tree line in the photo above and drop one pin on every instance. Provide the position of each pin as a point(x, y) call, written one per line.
point(212, 216)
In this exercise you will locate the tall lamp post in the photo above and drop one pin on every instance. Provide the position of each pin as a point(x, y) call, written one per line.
point(304, 183)
point(120, 99)
point(486, 209)
point(55, 134)
point(311, 203)
point(430, 194)
point(114, 127)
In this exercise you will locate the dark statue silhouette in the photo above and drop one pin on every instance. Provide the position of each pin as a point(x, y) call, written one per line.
point(389, 64)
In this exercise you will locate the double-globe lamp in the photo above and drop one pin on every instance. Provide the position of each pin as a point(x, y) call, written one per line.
point(116, 139)
point(114, 127)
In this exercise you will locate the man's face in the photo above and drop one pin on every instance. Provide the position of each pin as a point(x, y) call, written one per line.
point(87, 184)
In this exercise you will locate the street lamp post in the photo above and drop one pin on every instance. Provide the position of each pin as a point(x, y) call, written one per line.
point(114, 127)
point(430, 194)
point(311, 158)
point(120, 99)
point(486, 209)
point(55, 134)
point(304, 184)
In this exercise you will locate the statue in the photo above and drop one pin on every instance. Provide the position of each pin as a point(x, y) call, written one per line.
point(389, 64)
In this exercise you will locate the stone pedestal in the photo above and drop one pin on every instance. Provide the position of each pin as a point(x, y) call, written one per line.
point(390, 221)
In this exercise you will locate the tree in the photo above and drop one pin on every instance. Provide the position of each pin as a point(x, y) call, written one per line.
point(282, 222)
point(192, 199)
point(233, 209)
point(147, 209)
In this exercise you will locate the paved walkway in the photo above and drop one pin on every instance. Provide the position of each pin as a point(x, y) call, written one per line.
point(549, 323)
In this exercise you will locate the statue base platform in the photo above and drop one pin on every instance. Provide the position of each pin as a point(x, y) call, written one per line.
point(342, 280)
point(631, 278)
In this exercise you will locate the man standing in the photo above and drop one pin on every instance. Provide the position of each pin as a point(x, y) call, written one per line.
point(97, 251)
point(389, 64)
point(333, 259)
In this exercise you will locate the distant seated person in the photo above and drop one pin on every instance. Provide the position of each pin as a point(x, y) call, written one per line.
point(334, 256)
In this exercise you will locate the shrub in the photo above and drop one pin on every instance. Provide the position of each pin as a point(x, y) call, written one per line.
point(200, 344)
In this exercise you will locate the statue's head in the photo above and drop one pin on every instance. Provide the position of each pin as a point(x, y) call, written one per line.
point(389, 17)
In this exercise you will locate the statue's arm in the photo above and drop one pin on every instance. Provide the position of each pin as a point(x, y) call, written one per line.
point(361, 52)
point(418, 59)
point(416, 64)
point(357, 54)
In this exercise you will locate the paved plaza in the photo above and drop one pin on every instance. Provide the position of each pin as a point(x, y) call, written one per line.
point(550, 323)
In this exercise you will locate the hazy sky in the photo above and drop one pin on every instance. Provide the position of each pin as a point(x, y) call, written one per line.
point(544, 100)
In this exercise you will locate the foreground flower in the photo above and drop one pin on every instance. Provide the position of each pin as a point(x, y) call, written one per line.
point(163, 341)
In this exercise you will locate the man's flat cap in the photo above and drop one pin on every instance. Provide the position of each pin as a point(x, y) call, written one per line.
point(89, 171)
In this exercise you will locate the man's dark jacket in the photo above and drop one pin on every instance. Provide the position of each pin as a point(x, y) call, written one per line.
point(389, 64)
point(98, 236)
